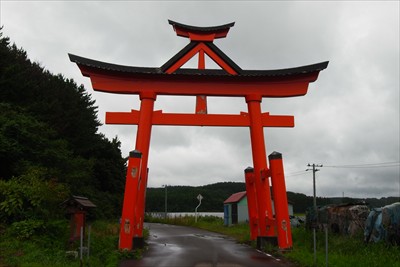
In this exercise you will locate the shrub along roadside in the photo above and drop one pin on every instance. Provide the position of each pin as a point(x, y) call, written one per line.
point(30, 197)
point(48, 246)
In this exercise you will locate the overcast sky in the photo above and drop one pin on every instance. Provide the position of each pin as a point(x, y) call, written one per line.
point(350, 115)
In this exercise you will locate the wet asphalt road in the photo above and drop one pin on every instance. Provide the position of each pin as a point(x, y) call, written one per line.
point(177, 246)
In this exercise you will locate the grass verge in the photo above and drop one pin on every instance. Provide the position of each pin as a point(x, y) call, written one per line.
point(48, 247)
point(343, 251)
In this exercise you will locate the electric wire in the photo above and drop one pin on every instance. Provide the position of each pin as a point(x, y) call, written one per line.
point(356, 166)
point(296, 173)
point(367, 165)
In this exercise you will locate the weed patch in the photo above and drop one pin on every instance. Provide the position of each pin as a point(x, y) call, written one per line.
point(343, 251)
point(49, 246)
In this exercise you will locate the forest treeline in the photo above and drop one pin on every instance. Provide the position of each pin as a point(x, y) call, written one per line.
point(50, 147)
point(184, 198)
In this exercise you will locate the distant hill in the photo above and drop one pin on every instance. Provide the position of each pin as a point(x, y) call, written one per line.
point(184, 198)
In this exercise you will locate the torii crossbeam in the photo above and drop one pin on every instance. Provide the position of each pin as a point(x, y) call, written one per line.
point(230, 80)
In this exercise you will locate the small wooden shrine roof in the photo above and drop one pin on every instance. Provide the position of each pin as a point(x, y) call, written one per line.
point(78, 202)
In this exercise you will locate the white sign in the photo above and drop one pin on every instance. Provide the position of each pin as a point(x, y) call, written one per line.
point(199, 197)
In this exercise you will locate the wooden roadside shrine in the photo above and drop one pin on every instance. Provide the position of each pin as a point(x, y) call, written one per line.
point(77, 207)
point(229, 81)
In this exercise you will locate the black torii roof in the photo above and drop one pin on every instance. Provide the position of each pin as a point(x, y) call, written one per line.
point(195, 72)
point(185, 30)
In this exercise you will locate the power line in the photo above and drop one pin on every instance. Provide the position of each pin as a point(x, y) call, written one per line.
point(364, 165)
point(295, 173)
point(367, 165)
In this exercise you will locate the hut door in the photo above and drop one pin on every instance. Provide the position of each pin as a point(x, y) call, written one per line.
point(234, 213)
point(226, 214)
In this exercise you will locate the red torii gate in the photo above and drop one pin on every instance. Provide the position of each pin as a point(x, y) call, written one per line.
point(230, 80)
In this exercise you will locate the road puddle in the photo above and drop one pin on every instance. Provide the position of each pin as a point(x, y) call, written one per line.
point(208, 236)
point(206, 264)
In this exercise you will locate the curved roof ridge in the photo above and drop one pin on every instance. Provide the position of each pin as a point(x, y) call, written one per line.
point(201, 29)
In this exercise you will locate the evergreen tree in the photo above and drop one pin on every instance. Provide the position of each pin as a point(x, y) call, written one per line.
point(49, 122)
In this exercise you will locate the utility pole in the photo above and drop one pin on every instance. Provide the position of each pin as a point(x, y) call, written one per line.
point(314, 170)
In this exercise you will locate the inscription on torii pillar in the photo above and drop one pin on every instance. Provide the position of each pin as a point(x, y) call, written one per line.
point(229, 81)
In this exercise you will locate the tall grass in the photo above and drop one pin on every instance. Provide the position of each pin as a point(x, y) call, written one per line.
point(342, 251)
point(48, 247)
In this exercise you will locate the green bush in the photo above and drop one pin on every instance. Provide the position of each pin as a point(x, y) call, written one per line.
point(23, 230)
point(31, 197)
point(47, 245)
point(130, 254)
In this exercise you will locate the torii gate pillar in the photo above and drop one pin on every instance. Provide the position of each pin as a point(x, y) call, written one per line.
point(263, 198)
point(136, 178)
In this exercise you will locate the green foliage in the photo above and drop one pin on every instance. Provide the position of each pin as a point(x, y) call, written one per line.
point(343, 251)
point(26, 142)
point(24, 230)
point(48, 121)
point(48, 244)
point(30, 196)
point(130, 254)
point(55, 100)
